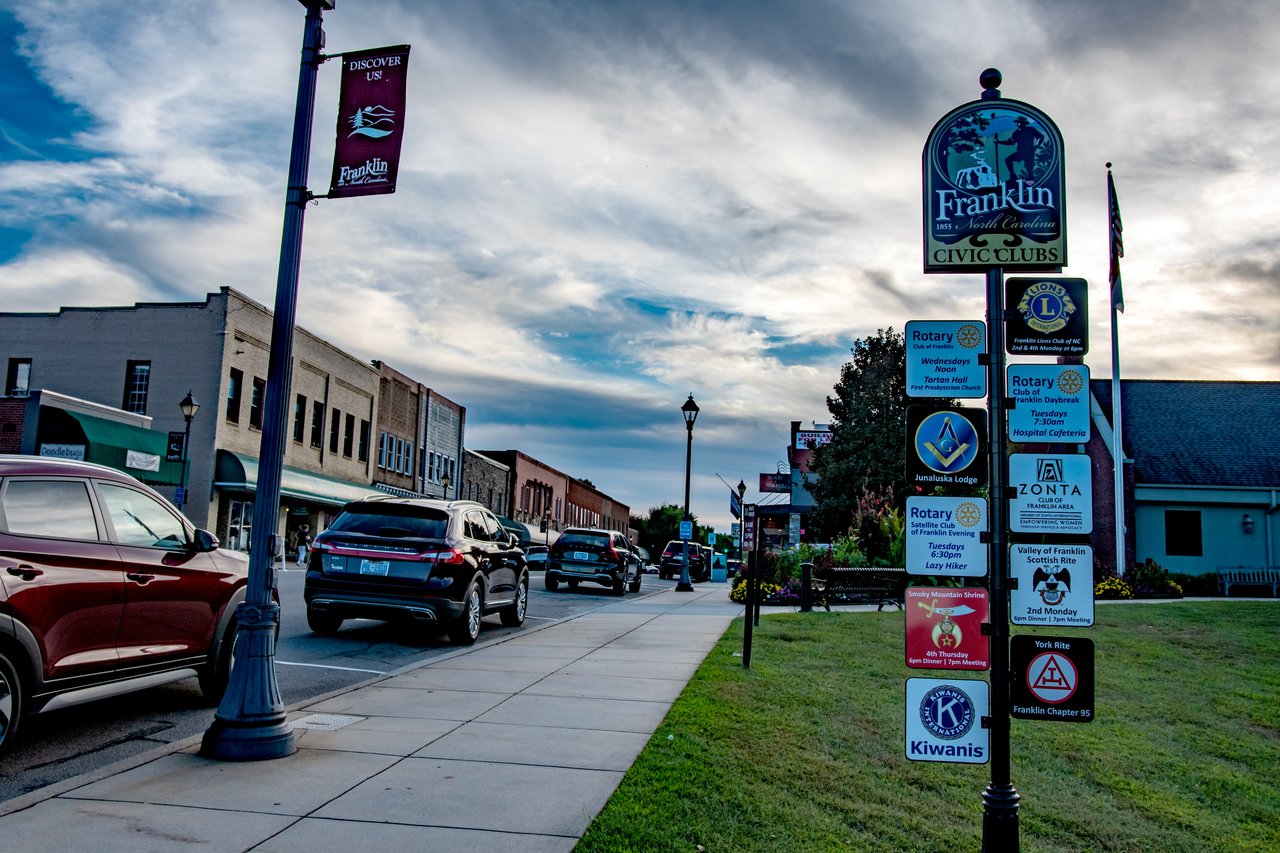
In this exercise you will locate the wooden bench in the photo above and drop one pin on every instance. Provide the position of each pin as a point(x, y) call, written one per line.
point(881, 585)
point(1248, 575)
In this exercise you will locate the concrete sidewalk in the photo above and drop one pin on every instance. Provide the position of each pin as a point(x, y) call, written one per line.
point(512, 745)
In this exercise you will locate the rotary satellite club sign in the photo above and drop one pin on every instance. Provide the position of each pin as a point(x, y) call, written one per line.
point(944, 628)
point(994, 190)
point(366, 157)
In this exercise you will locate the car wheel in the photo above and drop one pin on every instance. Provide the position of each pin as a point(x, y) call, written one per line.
point(619, 586)
point(552, 582)
point(214, 679)
point(513, 614)
point(320, 622)
point(466, 628)
point(635, 584)
point(11, 701)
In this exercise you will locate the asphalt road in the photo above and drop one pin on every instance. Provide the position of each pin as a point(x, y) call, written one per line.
point(61, 744)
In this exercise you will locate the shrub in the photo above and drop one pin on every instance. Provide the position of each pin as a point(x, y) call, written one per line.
point(1149, 578)
point(767, 591)
point(846, 552)
point(1197, 585)
point(1112, 588)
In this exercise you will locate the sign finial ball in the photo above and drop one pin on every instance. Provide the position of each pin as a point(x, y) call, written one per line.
point(991, 78)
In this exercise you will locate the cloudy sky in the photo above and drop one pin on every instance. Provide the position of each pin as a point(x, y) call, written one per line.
point(603, 207)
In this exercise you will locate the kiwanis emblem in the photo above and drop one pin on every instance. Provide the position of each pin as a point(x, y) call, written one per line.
point(1046, 306)
point(946, 712)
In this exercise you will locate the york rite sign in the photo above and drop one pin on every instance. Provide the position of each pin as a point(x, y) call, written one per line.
point(366, 157)
point(1053, 679)
point(994, 190)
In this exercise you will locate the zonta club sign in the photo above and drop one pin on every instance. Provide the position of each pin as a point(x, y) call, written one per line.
point(994, 190)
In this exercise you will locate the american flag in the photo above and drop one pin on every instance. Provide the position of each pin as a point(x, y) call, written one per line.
point(1117, 243)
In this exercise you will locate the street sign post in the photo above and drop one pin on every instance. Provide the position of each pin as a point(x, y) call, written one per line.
point(944, 536)
point(686, 530)
point(1051, 403)
point(944, 358)
point(944, 628)
point(1053, 679)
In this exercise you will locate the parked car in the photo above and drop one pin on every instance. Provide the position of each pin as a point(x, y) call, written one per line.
point(434, 562)
point(597, 556)
point(673, 557)
point(536, 557)
point(105, 589)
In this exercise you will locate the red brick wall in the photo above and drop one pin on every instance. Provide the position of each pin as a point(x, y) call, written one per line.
point(12, 414)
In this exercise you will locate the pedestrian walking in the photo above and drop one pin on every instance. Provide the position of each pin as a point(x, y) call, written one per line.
point(303, 543)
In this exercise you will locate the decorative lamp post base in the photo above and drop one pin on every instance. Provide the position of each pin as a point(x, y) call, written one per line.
point(250, 722)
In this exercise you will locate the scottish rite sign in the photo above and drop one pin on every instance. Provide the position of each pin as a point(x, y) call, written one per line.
point(994, 190)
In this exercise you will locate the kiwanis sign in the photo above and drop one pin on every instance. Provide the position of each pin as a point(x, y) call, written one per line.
point(994, 190)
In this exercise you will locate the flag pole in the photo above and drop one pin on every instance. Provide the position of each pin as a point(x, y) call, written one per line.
point(1117, 305)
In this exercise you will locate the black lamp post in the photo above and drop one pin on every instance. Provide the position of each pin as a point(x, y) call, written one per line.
point(189, 408)
point(445, 482)
point(690, 412)
point(742, 501)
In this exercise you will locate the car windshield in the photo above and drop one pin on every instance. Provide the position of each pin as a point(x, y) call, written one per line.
point(570, 537)
point(393, 520)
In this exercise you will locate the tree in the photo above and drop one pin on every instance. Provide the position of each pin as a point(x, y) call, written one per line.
point(660, 526)
point(861, 470)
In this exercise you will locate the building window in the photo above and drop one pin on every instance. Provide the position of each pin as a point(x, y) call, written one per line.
point(1182, 535)
point(235, 387)
point(364, 441)
point(317, 424)
point(255, 402)
point(299, 418)
point(408, 458)
point(18, 381)
point(335, 430)
point(382, 450)
point(137, 378)
point(349, 436)
point(431, 467)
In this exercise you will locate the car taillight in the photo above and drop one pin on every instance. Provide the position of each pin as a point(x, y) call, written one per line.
point(451, 557)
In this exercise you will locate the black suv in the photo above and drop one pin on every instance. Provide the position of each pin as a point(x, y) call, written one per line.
point(411, 559)
point(673, 557)
point(598, 556)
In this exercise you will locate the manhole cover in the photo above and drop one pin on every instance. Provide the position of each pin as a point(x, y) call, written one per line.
point(325, 722)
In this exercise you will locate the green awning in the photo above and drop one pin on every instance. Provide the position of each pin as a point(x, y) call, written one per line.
point(125, 447)
point(238, 471)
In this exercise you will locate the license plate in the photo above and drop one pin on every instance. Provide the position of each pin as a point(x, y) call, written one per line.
point(582, 556)
point(375, 567)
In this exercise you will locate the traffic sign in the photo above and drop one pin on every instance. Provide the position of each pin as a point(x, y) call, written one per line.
point(1050, 402)
point(686, 530)
point(711, 538)
point(944, 628)
point(944, 536)
point(1053, 679)
point(1052, 493)
point(946, 447)
point(942, 358)
point(1046, 316)
point(1054, 585)
point(944, 720)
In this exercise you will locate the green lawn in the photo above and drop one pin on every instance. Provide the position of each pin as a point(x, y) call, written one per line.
point(805, 751)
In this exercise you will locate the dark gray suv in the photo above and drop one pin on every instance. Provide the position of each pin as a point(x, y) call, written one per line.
point(445, 563)
point(598, 556)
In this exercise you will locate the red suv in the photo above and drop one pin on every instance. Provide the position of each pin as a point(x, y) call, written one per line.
point(105, 588)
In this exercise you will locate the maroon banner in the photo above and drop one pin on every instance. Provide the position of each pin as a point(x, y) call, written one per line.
point(775, 483)
point(370, 122)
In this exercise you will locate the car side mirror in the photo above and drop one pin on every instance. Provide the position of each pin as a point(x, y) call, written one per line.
point(205, 541)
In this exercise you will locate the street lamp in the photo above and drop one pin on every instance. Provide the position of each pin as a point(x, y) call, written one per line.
point(189, 407)
point(445, 482)
point(742, 502)
point(690, 412)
